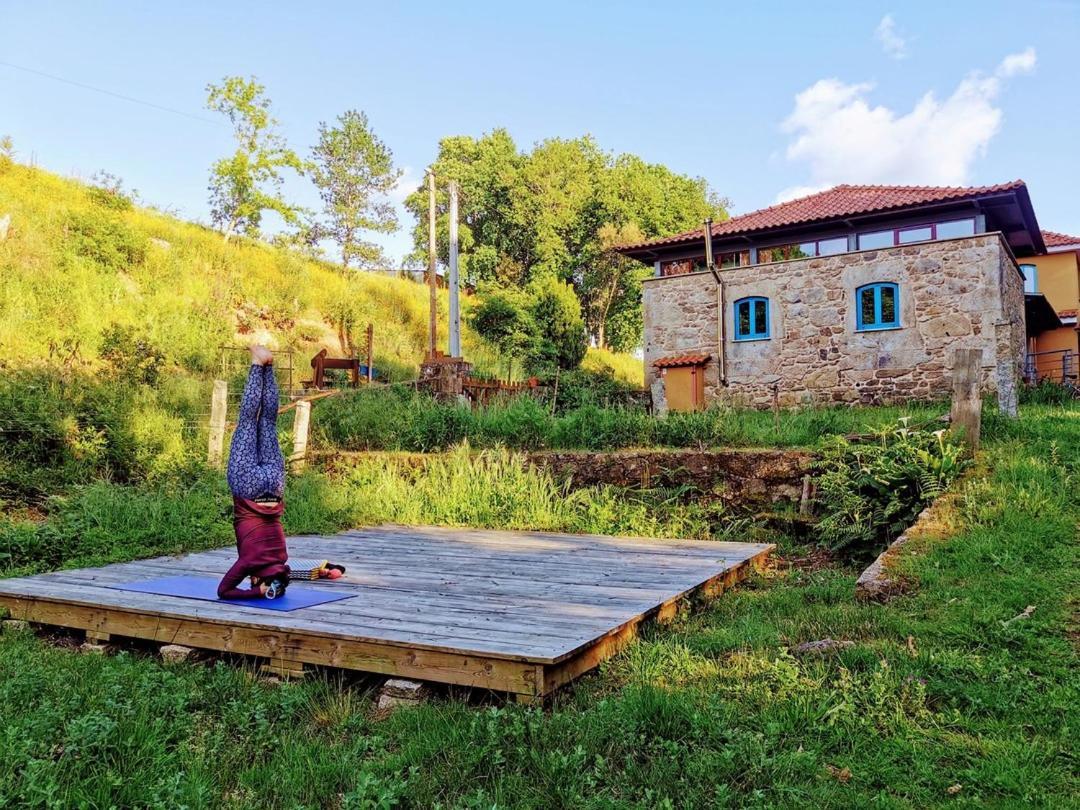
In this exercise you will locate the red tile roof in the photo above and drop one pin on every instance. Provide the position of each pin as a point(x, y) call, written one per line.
point(839, 201)
point(681, 360)
point(1055, 239)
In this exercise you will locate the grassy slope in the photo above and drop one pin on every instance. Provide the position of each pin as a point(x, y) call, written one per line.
point(942, 700)
point(191, 292)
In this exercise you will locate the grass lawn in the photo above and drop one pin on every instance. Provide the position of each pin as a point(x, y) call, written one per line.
point(944, 699)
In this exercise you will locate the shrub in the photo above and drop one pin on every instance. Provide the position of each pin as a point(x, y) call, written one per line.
point(105, 240)
point(133, 358)
point(869, 493)
point(108, 190)
point(558, 328)
point(1048, 392)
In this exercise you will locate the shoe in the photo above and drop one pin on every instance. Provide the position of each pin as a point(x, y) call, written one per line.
point(275, 589)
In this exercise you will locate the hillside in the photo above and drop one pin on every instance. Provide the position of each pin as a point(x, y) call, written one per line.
point(113, 318)
point(75, 263)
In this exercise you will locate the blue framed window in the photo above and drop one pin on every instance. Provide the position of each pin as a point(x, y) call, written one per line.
point(877, 306)
point(1031, 277)
point(752, 318)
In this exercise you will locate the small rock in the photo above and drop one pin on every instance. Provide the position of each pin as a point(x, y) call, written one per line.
point(387, 703)
point(404, 689)
point(161, 243)
point(91, 648)
point(15, 625)
point(5, 223)
point(822, 647)
point(175, 653)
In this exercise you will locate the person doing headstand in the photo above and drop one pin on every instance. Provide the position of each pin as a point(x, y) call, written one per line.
point(256, 476)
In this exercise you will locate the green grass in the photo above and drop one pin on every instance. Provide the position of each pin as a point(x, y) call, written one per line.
point(942, 689)
point(401, 420)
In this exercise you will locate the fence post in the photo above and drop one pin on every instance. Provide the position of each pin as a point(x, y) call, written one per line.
point(300, 434)
point(218, 404)
point(370, 350)
point(966, 414)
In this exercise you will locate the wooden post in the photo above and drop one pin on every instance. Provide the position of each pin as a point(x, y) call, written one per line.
point(219, 402)
point(300, 434)
point(432, 277)
point(370, 350)
point(966, 413)
point(454, 342)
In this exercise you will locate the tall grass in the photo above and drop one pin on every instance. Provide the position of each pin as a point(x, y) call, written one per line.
point(101, 523)
point(399, 419)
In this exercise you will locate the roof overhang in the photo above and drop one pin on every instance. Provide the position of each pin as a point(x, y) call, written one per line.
point(1039, 315)
point(1008, 210)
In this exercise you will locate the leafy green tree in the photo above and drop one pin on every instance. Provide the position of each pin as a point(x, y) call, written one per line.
point(556, 211)
point(354, 172)
point(558, 331)
point(502, 319)
point(247, 183)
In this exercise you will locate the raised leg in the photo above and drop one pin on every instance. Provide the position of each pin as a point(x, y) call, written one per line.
point(270, 457)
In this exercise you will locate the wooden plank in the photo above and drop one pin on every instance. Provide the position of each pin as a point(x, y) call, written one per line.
point(342, 617)
point(522, 612)
point(90, 597)
point(966, 414)
point(490, 673)
point(542, 540)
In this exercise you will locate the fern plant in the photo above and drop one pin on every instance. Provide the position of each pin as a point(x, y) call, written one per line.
point(868, 493)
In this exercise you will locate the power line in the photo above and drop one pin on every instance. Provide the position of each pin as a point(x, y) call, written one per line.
point(103, 91)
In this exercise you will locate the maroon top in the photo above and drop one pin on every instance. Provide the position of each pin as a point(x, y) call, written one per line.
point(260, 547)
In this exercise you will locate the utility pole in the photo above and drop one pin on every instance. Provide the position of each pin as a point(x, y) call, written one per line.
point(432, 278)
point(454, 349)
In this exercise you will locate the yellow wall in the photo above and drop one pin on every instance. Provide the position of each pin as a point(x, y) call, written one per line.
point(1058, 278)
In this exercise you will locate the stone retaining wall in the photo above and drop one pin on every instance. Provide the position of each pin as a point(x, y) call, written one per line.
point(955, 293)
point(737, 476)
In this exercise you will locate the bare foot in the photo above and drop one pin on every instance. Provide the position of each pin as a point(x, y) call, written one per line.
point(261, 356)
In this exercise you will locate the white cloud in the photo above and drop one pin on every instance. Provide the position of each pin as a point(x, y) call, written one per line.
point(843, 138)
point(1016, 63)
point(892, 41)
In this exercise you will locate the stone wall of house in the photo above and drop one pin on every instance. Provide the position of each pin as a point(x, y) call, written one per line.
point(956, 293)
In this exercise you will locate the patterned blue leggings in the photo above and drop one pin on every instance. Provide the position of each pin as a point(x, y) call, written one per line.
point(256, 466)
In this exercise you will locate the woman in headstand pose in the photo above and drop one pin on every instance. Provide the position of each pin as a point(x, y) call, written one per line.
point(256, 476)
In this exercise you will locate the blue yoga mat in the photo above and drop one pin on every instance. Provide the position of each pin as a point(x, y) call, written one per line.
point(205, 589)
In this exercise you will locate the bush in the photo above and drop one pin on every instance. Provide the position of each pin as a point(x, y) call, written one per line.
point(559, 338)
point(869, 493)
point(105, 240)
point(133, 358)
point(1048, 392)
point(108, 191)
point(61, 427)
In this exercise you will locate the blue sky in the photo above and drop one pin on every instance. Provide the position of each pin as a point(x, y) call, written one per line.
point(764, 100)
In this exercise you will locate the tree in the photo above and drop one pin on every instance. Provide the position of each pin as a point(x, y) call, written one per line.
point(354, 172)
point(556, 211)
point(559, 339)
point(249, 182)
point(501, 318)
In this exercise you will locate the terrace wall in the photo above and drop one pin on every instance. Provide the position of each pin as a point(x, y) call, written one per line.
point(956, 293)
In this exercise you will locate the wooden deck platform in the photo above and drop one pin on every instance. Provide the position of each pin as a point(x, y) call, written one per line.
point(519, 612)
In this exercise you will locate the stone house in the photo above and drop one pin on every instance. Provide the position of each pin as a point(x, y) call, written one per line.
point(858, 294)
